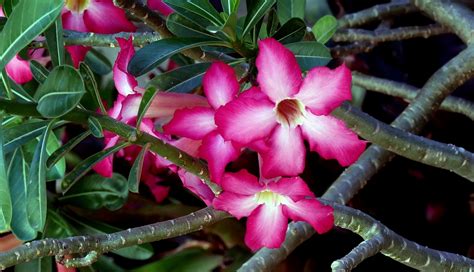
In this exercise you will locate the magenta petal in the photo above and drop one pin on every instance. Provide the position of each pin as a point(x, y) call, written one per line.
point(78, 53)
point(74, 21)
point(220, 84)
point(279, 74)
point(197, 186)
point(192, 123)
point(218, 153)
point(324, 89)
point(245, 120)
point(160, 7)
point(19, 70)
point(331, 138)
point(105, 18)
point(124, 82)
point(242, 183)
point(319, 216)
point(286, 153)
point(105, 166)
point(294, 187)
point(255, 93)
point(266, 227)
point(189, 146)
point(235, 204)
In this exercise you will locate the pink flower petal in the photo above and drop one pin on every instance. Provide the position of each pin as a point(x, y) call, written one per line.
point(237, 205)
point(279, 74)
point(160, 7)
point(255, 93)
point(220, 84)
point(245, 120)
point(78, 53)
point(75, 21)
point(218, 153)
point(294, 187)
point(105, 18)
point(19, 70)
point(242, 183)
point(286, 153)
point(193, 123)
point(159, 192)
point(324, 89)
point(105, 166)
point(124, 82)
point(189, 146)
point(319, 216)
point(266, 227)
point(197, 186)
point(331, 138)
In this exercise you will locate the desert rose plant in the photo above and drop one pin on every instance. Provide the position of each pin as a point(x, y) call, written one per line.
point(221, 135)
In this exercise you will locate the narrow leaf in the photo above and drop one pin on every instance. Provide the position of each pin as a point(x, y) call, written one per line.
point(6, 85)
point(182, 27)
point(55, 42)
point(287, 9)
point(60, 93)
point(91, 85)
point(36, 190)
point(19, 92)
point(98, 63)
point(324, 28)
point(136, 170)
point(39, 72)
point(95, 127)
point(65, 148)
point(82, 168)
point(196, 11)
point(230, 6)
point(145, 103)
point(5, 200)
point(155, 53)
point(26, 22)
point(181, 80)
point(292, 31)
point(256, 10)
point(310, 54)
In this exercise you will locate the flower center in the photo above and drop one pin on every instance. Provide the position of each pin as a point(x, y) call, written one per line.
point(269, 198)
point(77, 5)
point(290, 112)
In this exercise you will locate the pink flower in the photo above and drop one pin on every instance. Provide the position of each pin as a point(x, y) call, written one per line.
point(268, 207)
point(289, 109)
point(98, 16)
point(160, 7)
point(124, 82)
point(220, 86)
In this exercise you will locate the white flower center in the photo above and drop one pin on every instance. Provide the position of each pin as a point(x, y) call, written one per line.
point(290, 112)
point(77, 5)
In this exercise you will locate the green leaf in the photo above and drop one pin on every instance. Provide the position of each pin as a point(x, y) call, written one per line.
point(8, 6)
point(5, 200)
point(6, 88)
point(272, 22)
point(292, 31)
point(65, 148)
point(18, 180)
point(91, 85)
point(310, 54)
point(155, 53)
point(95, 192)
point(181, 80)
point(18, 91)
point(136, 170)
point(60, 93)
point(3, 21)
point(87, 226)
point(98, 63)
point(26, 22)
point(198, 11)
point(95, 127)
point(182, 27)
point(256, 10)
point(54, 39)
point(145, 103)
point(39, 72)
point(230, 6)
point(324, 28)
point(82, 168)
point(44, 265)
point(36, 190)
point(57, 226)
point(287, 9)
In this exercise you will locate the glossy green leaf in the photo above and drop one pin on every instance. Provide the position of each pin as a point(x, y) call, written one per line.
point(150, 56)
point(65, 148)
point(87, 226)
point(54, 39)
point(310, 54)
point(230, 6)
point(136, 170)
point(60, 93)
point(182, 27)
point(36, 190)
point(26, 22)
point(8, 6)
point(19, 91)
point(82, 168)
point(272, 22)
point(98, 63)
point(18, 181)
point(40, 73)
point(324, 28)
point(181, 80)
point(95, 192)
point(287, 9)
point(292, 31)
point(6, 90)
point(95, 127)
point(198, 11)
point(256, 10)
point(91, 85)
point(5, 200)
point(145, 103)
